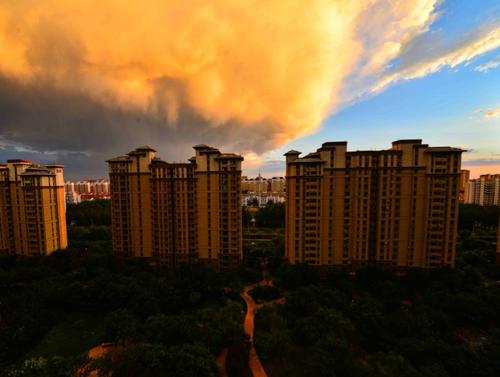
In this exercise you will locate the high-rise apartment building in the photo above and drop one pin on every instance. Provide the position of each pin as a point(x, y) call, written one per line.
point(498, 244)
point(464, 183)
point(396, 207)
point(32, 208)
point(177, 212)
point(484, 190)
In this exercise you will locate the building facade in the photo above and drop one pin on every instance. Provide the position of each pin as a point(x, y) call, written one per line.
point(484, 191)
point(177, 213)
point(260, 185)
point(464, 185)
point(396, 208)
point(498, 244)
point(80, 191)
point(32, 208)
point(260, 191)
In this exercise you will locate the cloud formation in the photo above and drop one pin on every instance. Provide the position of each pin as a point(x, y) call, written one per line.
point(90, 80)
point(492, 64)
point(489, 114)
point(428, 53)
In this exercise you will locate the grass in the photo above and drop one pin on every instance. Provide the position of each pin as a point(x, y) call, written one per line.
point(75, 335)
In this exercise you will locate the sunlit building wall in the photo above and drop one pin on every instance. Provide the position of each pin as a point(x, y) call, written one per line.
point(32, 208)
point(484, 191)
point(464, 185)
point(177, 213)
point(396, 207)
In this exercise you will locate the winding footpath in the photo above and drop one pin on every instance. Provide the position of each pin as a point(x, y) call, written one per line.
point(220, 360)
point(253, 359)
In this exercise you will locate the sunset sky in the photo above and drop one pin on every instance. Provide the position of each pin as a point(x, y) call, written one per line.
point(83, 81)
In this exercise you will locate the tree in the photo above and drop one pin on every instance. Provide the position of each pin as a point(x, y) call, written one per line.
point(391, 365)
point(42, 367)
point(120, 325)
point(271, 216)
point(93, 212)
point(152, 360)
point(171, 329)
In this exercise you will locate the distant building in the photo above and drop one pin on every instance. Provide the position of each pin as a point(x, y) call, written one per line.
point(72, 197)
point(32, 208)
point(396, 207)
point(261, 200)
point(484, 191)
point(177, 212)
point(262, 190)
point(260, 185)
point(86, 190)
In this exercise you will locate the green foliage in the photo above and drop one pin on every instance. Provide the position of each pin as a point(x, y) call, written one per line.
point(324, 322)
point(152, 360)
point(43, 300)
point(437, 323)
point(93, 212)
point(171, 329)
point(264, 293)
point(120, 325)
point(42, 367)
point(89, 233)
point(272, 337)
point(271, 216)
point(76, 334)
point(294, 276)
point(390, 365)
point(221, 327)
point(473, 214)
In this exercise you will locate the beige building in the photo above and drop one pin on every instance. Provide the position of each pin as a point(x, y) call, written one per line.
point(177, 212)
point(498, 244)
point(263, 186)
point(396, 207)
point(262, 190)
point(32, 208)
point(464, 185)
point(484, 190)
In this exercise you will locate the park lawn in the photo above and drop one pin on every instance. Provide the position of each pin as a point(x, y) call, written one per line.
point(75, 335)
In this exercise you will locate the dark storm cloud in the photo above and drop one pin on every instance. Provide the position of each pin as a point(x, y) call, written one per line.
point(46, 124)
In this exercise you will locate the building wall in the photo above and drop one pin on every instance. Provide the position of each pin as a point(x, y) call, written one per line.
point(32, 204)
point(395, 207)
point(464, 180)
point(484, 191)
point(261, 185)
point(177, 213)
point(498, 244)
point(174, 225)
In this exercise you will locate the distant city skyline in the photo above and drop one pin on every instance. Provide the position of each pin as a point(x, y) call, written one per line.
point(363, 72)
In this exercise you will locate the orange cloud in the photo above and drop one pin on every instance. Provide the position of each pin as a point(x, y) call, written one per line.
point(279, 63)
point(493, 113)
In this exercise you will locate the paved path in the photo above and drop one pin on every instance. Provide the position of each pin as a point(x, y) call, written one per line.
point(221, 362)
point(95, 353)
point(253, 359)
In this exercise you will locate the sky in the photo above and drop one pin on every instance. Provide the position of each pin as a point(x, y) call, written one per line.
point(83, 81)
